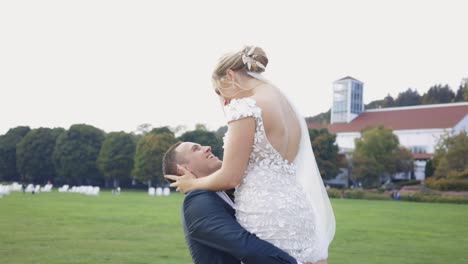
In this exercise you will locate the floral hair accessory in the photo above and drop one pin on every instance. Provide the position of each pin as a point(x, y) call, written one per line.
point(248, 58)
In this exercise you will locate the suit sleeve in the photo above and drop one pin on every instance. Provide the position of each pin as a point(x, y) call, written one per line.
point(209, 223)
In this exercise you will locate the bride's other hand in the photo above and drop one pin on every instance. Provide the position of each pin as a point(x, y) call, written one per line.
point(184, 183)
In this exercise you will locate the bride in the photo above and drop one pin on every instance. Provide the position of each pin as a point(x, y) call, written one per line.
point(268, 158)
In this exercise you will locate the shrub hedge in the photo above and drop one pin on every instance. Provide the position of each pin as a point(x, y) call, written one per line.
point(415, 197)
point(447, 184)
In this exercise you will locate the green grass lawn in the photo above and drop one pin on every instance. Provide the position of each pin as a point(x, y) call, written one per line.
point(135, 228)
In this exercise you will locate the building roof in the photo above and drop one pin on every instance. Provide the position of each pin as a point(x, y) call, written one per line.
point(406, 118)
point(422, 156)
point(348, 78)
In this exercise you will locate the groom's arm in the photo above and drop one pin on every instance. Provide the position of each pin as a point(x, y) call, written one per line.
point(209, 223)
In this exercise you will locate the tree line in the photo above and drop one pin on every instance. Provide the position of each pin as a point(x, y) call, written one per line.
point(86, 155)
point(437, 94)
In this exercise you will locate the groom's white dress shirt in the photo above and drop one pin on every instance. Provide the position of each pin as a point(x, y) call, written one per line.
point(228, 200)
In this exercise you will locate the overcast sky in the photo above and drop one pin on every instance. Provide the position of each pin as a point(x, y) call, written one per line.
point(117, 64)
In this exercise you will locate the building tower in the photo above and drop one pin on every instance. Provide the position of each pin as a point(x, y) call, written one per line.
point(347, 100)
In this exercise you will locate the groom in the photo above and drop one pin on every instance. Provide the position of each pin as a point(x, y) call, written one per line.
point(211, 231)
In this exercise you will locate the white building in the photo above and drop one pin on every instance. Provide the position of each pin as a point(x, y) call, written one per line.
point(418, 128)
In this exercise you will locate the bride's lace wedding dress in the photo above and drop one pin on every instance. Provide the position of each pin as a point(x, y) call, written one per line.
point(272, 200)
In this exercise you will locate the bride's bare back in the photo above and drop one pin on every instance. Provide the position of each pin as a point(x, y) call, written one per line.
point(282, 127)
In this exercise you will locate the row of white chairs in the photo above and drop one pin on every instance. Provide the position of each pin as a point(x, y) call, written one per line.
point(47, 188)
point(64, 188)
point(5, 190)
point(37, 188)
point(87, 190)
point(159, 191)
point(16, 187)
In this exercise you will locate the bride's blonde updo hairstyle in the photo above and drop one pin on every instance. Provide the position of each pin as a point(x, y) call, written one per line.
point(249, 59)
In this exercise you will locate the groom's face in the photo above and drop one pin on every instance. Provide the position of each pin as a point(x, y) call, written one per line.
point(198, 159)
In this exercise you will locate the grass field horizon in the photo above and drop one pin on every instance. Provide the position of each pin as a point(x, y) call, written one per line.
point(136, 228)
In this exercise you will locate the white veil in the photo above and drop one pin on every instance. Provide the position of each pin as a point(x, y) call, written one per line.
point(308, 176)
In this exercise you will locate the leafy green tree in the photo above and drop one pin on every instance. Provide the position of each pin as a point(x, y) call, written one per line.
point(326, 152)
point(365, 169)
point(144, 129)
point(322, 118)
point(375, 155)
point(374, 104)
point(221, 132)
point(429, 169)
point(404, 160)
point(148, 157)
point(75, 155)
point(438, 94)
point(408, 98)
point(201, 127)
point(34, 155)
point(206, 138)
point(465, 93)
point(388, 101)
point(56, 132)
point(179, 129)
point(8, 171)
point(451, 155)
point(161, 130)
point(461, 92)
point(115, 160)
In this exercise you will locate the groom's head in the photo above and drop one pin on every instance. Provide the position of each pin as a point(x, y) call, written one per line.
point(196, 158)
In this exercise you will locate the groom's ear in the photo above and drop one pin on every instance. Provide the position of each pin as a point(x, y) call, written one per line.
point(180, 171)
point(180, 168)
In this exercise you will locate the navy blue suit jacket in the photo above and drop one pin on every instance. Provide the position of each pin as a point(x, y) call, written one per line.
point(214, 236)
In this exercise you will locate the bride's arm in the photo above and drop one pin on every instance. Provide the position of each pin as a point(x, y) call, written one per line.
point(237, 149)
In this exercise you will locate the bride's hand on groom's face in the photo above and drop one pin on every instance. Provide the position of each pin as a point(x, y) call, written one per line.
point(184, 183)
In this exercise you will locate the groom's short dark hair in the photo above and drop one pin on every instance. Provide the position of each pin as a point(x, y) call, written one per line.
point(170, 161)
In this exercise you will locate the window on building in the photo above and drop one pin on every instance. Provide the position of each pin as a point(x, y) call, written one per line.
point(356, 98)
point(418, 149)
